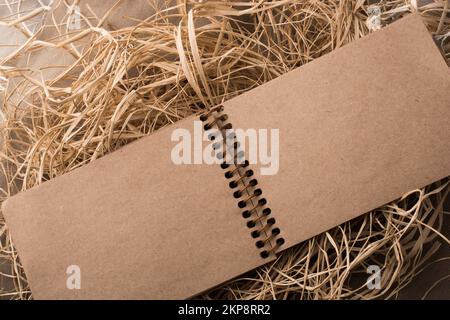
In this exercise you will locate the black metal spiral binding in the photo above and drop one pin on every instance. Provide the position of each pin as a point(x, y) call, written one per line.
point(258, 215)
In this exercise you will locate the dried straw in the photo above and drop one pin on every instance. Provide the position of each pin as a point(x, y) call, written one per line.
point(132, 81)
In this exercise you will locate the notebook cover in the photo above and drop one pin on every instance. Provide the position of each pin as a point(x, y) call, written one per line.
point(135, 224)
point(359, 128)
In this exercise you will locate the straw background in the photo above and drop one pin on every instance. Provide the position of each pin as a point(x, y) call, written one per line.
point(70, 96)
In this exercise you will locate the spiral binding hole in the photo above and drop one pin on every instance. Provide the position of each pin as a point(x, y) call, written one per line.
point(260, 244)
point(264, 254)
point(280, 241)
point(251, 224)
point(224, 165)
point(246, 214)
point(233, 184)
point(242, 204)
point(256, 234)
point(276, 231)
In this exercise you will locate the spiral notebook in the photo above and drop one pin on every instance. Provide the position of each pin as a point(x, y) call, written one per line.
point(358, 128)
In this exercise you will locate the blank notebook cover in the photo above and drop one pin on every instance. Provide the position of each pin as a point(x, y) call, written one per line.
point(358, 128)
